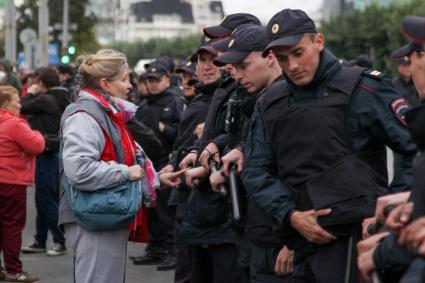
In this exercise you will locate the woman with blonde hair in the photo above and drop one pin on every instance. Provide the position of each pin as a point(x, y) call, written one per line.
point(95, 157)
point(19, 146)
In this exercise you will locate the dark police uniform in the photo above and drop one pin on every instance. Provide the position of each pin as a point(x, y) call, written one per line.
point(167, 108)
point(194, 114)
point(206, 227)
point(258, 244)
point(307, 148)
point(391, 259)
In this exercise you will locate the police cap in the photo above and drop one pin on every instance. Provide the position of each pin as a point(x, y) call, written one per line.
point(205, 45)
point(229, 23)
point(156, 71)
point(287, 27)
point(407, 50)
point(166, 61)
point(242, 43)
point(222, 44)
point(414, 28)
point(188, 67)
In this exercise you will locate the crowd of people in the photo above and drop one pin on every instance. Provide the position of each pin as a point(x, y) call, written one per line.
point(262, 158)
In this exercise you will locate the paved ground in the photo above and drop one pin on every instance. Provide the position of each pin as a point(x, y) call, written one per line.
point(59, 269)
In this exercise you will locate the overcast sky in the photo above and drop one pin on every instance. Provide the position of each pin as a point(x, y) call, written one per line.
point(265, 9)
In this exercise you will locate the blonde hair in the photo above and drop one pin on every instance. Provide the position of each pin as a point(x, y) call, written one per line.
point(6, 93)
point(106, 63)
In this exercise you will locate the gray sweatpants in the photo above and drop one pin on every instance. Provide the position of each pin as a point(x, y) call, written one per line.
point(99, 257)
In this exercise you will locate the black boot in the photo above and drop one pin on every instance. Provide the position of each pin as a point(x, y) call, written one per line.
point(168, 263)
point(152, 255)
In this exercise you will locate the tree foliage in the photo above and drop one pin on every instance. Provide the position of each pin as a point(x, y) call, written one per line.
point(83, 37)
point(374, 31)
point(178, 48)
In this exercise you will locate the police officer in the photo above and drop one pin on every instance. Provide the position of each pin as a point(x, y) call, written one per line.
point(214, 125)
point(270, 261)
point(403, 83)
point(309, 142)
point(187, 76)
point(401, 253)
point(161, 111)
point(193, 116)
point(167, 63)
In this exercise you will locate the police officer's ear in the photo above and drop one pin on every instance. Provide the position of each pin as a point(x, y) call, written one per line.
point(319, 41)
point(270, 58)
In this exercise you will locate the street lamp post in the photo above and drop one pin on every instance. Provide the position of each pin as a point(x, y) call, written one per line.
point(10, 26)
point(43, 32)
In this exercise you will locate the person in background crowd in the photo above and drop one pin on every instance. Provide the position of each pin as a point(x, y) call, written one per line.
point(45, 103)
point(27, 81)
point(142, 87)
point(6, 76)
point(363, 61)
point(167, 63)
point(134, 94)
point(187, 74)
point(161, 111)
point(66, 76)
point(403, 83)
point(19, 146)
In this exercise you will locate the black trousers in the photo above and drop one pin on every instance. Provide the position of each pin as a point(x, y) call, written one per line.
point(327, 264)
point(161, 221)
point(214, 264)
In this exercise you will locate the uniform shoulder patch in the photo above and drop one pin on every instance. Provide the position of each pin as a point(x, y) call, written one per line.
point(399, 107)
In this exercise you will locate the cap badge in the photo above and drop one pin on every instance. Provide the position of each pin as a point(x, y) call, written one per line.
point(207, 39)
point(188, 63)
point(222, 21)
point(231, 43)
point(275, 28)
point(153, 70)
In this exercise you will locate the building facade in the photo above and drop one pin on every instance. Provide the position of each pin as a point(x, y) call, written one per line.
point(132, 20)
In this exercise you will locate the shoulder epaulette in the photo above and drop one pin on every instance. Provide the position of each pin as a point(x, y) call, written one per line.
point(374, 74)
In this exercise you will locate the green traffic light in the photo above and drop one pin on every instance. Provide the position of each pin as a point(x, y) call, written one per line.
point(65, 59)
point(71, 50)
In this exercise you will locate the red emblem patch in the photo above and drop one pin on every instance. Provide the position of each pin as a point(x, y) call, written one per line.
point(400, 107)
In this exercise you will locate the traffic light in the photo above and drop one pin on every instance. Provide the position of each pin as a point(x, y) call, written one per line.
point(72, 50)
point(65, 59)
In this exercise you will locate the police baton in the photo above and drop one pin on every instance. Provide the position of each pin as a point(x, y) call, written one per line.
point(214, 168)
point(349, 263)
point(234, 192)
point(376, 278)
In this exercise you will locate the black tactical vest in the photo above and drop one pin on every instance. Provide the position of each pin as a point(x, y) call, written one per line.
point(313, 152)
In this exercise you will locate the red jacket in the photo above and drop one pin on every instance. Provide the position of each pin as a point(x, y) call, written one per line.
point(19, 146)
